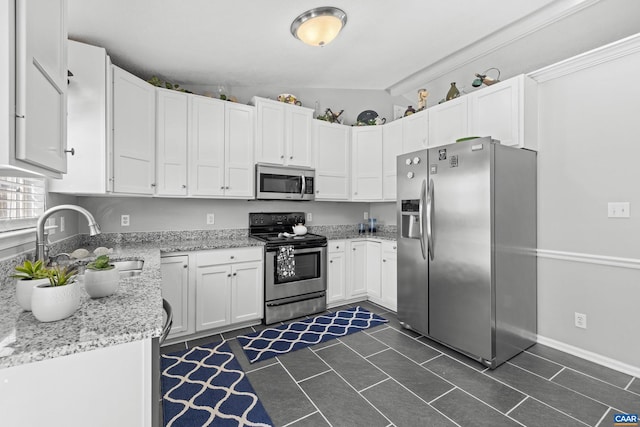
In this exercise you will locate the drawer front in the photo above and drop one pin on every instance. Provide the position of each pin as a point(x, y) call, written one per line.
point(228, 256)
point(336, 246)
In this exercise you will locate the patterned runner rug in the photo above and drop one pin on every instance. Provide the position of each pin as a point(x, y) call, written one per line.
point(271, 342)
point(205, 386)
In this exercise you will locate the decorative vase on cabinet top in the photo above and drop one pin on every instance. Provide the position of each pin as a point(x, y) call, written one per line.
point(453, 92)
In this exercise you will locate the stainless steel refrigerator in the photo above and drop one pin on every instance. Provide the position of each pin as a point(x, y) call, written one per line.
point(466, 247)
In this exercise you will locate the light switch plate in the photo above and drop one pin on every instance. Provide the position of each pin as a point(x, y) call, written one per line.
point(618, 210)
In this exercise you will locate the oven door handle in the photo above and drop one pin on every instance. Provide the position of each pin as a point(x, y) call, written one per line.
point(304, 185)
point(301, 251)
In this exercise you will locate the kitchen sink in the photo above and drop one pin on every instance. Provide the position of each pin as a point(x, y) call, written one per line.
point(129, 268)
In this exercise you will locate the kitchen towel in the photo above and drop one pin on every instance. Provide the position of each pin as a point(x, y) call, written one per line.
point(271, 342)
point(205, 386)
point(286, 262)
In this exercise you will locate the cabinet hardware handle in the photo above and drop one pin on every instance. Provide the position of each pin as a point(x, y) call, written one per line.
point(355, 194)
point(184, 186)
point(384, 260)
point(317, 191)
point(153, 185)
point(226, 188)
point(72, 151)
point(330, 261)
point(282, 157)
point(354, 249)
point(290, 157)
point(232, 257)
point(19, 116)
point(235, 274)
point(394, 247)
point(185, 266)
point(337, 247)
point(222, 188)
point(229, 275)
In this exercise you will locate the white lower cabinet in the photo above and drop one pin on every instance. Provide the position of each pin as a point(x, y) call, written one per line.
point(213, 289)
point(228, 287)
point(336, 271)
point(175, 289)
point(362, 268)
point(389, 286)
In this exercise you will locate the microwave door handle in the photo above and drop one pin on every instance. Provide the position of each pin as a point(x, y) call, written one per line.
point(303, 186)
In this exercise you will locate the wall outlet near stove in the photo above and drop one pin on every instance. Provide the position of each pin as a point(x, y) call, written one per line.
point(366, 215)
point(309, 216)
point(580, 320)
point(124, 220)
point(211, 219)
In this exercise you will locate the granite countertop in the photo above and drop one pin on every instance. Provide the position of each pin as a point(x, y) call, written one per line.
point(133, 313)
point(340, 235)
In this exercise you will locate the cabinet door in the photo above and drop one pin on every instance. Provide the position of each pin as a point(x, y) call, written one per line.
point(415, 132)
point(239, 166)
point(246, 291)
point(332, 160)
point(448, 122)
point(374, 282)
point(206, 147)
point(213, 296)
point(389, 275)
point(171, 142)
point(357, 282)
point(270, 133)
point(336, 277)
point(391, 147)
point(133, 134)
point(298, 129)
point(495, 111)
point(366, 161)
point(175, 289)
point(41, 83)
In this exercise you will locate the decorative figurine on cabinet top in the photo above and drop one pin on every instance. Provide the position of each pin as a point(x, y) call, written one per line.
point(422, 99)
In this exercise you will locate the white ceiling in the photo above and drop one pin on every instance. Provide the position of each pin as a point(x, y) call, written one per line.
point(396, 46)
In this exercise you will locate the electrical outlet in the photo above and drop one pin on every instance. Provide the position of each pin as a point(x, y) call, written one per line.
point(124, 220)
point(366, 215)
point(211, 219)
point(618, 210)
point(309, 216)
point(580, 320)
point(61, 224)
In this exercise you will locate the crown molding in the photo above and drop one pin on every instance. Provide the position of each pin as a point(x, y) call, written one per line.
point(606, 53)
point(536, 21)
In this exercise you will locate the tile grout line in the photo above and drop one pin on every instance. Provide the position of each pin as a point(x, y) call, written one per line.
point(373, 354)
point(443, 394)
point(404, 355)
point(305, 393)
point(556, 374)
point(603, 416)
point(373, 385)
point(629, 384)
point(262, 367)
point(300, 419)
point(526, 396)
point(315, 375)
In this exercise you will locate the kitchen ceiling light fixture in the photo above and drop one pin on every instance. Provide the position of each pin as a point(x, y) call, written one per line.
point(319, 26)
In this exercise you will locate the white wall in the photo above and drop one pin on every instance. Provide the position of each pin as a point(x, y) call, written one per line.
point(160, 214)
point(589, 149)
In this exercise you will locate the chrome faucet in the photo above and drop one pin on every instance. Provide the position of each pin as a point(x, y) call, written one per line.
point(41, 248)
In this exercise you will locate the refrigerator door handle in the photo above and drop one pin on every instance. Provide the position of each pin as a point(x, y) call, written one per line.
point(423, 193)
point(430, 220)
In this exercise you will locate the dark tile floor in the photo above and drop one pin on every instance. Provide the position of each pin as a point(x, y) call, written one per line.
point(387, 376)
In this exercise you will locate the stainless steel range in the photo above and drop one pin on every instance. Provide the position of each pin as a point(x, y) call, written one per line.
point(295, 272)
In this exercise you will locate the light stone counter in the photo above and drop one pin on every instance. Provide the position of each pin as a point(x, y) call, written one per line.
point(133, 313)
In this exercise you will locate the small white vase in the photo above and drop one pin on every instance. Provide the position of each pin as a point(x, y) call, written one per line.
point(101, 283)
point(24, 289)
point(51, 303)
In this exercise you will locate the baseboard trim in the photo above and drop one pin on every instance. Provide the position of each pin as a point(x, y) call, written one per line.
point(610, 261)
point(590, 356)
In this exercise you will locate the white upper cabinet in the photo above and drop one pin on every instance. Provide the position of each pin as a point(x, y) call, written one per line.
point(88, 122)
point(506, 111)
point(366, 163)
point(206, 147)
point(332, 160)
point(171, 142)
point(40, 84)
point(239, 145)
point(415, 131)
point(392, 143)
point(133, 134)
point(283, 134)
point(448, 122)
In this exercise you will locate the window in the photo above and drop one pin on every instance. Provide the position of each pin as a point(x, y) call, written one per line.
point(22, 200)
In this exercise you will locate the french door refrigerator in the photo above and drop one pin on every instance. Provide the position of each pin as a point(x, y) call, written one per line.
point(466, 247)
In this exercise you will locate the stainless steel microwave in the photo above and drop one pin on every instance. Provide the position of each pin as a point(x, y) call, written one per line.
point(275, 182)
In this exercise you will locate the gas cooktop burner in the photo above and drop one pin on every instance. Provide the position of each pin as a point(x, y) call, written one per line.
point(276, 228)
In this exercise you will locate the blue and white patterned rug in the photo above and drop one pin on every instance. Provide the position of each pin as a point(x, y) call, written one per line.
point(272, 342)
point(205, 386)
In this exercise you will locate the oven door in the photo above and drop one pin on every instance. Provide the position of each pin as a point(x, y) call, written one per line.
point(278, 183)
point(307, 276)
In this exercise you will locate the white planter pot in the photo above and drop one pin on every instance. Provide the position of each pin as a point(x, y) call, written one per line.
point(24, 289)
point(101, 283)
point(51, 303)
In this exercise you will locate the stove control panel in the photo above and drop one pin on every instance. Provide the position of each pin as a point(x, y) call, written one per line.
point(276, 218)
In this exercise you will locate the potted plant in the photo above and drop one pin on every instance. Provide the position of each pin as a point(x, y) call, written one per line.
point(101, 278)
point(59, 298)
point(28, 275)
